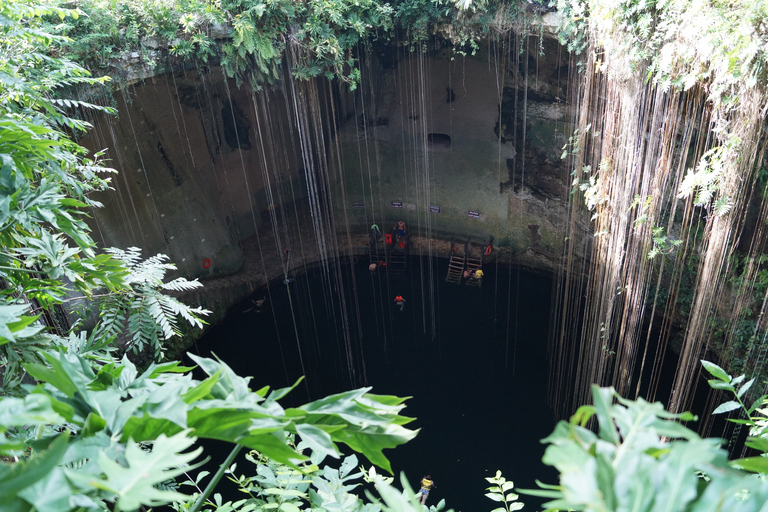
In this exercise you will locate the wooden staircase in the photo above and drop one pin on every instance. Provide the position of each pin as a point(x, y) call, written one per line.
point(396, 261)
point(455, 265)
point(464, 261)
point(397, 253)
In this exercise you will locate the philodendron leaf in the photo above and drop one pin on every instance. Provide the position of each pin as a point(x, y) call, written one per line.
point(51, 494)
point(134, 485)
point(318, 440)
point(371, 422)
point(32, 410)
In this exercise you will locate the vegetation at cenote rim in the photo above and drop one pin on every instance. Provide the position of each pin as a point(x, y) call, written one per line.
point(721, 47)
point(250, 39)
point(641, 458)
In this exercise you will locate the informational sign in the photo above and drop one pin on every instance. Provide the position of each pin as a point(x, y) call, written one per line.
point(434, 209)
point(397, 204)
point(473, 214)
point(358, 205)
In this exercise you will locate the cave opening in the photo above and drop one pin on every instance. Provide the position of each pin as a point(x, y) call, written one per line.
point(477, 382)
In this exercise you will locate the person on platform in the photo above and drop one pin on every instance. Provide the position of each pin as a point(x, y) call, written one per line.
point(400, 301)
point(400, 230)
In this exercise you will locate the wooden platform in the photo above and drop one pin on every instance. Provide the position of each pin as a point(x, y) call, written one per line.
point(469, 259)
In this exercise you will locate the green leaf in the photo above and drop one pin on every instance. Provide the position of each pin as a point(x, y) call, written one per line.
point(64, 373)
point(726, 407)
point(156, 370)
point(32, 410)
point(743, 389)
point(602, 398)
point(717, 384)
point(678, 482)
point(753, 464)
point(93, 424)
point(318, 440)
point(201, 390)
point(229, 385)
point(231, 423)
point(544, 493)
point(757, 403)
point(16, 477)
point(275, 447)
point(757, 443)
point(51, 494)
point(133, 484)
point(716, 371)
point(290, 493)
point(583, 414)
point(13, 322)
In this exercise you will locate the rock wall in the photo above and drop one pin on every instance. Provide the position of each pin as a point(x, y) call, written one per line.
point(191, 179)
point(456, 147)
point(464, 147)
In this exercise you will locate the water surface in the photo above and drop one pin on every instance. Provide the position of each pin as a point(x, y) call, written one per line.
point(473, 361)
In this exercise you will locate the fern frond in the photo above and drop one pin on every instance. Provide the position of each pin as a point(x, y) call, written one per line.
point(177, 308)
point(181, 284)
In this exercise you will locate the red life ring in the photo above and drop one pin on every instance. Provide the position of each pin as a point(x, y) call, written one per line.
point(389, 239)
point(488, 250)
point(207, 263)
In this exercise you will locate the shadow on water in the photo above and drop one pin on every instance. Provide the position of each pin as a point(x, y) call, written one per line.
point(477, 379)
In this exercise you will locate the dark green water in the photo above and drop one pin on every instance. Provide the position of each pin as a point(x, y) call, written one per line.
point(477, 379)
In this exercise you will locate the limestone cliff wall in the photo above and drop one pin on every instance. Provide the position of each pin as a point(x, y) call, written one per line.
point(465, 147)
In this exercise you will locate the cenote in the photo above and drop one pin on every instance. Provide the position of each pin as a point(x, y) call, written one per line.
point(476, 375)
point(606, 174)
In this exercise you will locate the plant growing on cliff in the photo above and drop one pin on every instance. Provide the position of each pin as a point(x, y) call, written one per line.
point(678, 43)
point(253, 40)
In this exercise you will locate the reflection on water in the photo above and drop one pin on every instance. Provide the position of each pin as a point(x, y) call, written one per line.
point(477, 379)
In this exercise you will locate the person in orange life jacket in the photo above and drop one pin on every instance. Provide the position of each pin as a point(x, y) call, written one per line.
point(426, 485)
point(400, 301)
